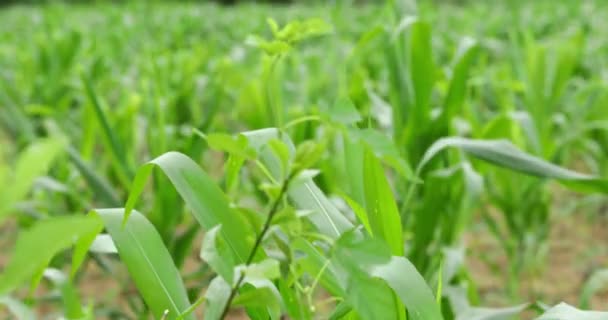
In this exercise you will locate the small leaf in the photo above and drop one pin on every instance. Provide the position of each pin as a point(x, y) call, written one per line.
point(216, 298)
point(266, 269)
point(236, 145)
point(308, 153)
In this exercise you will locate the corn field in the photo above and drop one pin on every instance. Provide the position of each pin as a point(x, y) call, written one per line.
point(429, 160)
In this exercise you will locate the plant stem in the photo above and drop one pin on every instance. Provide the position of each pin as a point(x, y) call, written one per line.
point(258, 242)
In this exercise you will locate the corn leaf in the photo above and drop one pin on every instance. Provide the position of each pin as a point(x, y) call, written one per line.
point(209, 205)
point(504, 154)
point(565, 312)
point(381, 207)
point(17, 308)
point(33, 162)
point(143, 252)
point(57, 234)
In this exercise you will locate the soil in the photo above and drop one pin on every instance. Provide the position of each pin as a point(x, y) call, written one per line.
point(578, 246)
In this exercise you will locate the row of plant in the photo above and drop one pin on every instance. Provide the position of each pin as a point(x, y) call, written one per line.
point(342, 162)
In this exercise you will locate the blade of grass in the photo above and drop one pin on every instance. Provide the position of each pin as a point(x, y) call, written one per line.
point(142, 250)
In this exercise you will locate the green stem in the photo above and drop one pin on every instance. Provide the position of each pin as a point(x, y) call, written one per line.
point(258, 242)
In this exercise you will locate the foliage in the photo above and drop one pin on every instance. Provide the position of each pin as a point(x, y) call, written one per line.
point(325, 164)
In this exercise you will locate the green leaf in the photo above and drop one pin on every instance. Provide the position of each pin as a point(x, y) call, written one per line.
point(32, 162)
point(565, 312)
point(364, 258)
point(81, 248)
point(359, 212)
point(306, 195)
point(56, 234)
point(384, 218)
point(384, 148)
point(216, 254)
point(255, 297)
point(401, 275)
point(150, 266)
point(503, 153)
point(112, 143)
point(308, 153)
point(422, 65)
point(260, 294)
point(209, 205)
point(454, 100)
point(236, 145)
point(313, 263)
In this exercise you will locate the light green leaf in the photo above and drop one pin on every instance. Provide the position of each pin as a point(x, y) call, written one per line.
point(113, 145)
point(56, 234)
point(17, 308)
point(401, 275)
point(81, 248)
point(565, 312)
point(216, 298)
point(103, 244)
point(215, 253)
point(359, 212)
point(384, 148)
point(236, 145)
point(475, 313)
point(306, 195)
point(267, 269)
point(454, 100)
point(597, 281)
point(150, 266)
point(32, 162)
point(344, 112)
point(505, 154)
